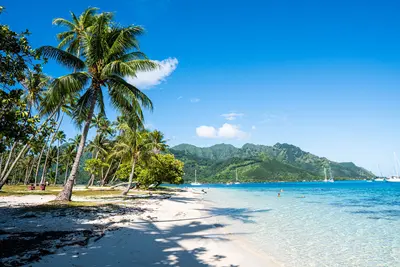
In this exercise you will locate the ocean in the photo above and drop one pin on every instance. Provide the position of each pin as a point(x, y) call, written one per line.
point(314, 224)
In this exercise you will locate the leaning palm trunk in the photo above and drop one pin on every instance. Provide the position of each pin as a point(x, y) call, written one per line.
point(128, 187)
point(43, 179)
point(66, 193)
point(103, 180)
point(66, 173)
point(38, 163)
point(92, 177)
point(30, 171)
point(58, 155)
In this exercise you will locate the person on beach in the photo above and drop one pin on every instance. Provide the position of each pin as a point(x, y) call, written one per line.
point(279, 194)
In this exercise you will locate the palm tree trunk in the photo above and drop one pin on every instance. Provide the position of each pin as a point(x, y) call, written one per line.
point(30, 171)
point(66, 193)
point(43, 179)
point(3, 178)
point(115, 173)
point(1, 163)
point(103, 180)
point(38, 163)
point(66, 172)
point(8, 160)
point(130, 177)
point(58, 155)
point(92, 177)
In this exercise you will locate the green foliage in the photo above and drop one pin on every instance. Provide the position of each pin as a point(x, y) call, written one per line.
point(16, 122)
point(123, 172)
point(161, 168)
point(94, 166)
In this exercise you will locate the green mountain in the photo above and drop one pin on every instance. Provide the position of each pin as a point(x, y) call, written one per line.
point(259, 163)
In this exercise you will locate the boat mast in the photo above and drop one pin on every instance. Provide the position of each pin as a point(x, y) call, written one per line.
point(395, 164)
point(195, 176)
point(379, 169)
point(326, 176)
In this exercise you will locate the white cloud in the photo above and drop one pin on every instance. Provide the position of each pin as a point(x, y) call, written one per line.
point(232, 116)
point(226, 131)
point(195, 100)
point(253, 127)
point(148, 79)
point(180, 97)
point(206, 132)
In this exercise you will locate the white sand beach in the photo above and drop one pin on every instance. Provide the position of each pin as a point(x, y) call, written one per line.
point(177, 231)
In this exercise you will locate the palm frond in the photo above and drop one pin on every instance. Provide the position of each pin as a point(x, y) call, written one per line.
point(64, 58)
point(63, 22)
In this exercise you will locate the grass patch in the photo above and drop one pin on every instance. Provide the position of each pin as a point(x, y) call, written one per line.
point(21, 190)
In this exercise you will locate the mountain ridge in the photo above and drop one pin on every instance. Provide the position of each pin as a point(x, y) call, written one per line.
point(281, 161)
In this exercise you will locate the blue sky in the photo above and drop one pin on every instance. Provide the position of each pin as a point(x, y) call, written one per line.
point(322, 75)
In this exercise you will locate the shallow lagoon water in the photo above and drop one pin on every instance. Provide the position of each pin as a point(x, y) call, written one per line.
point(315, 224)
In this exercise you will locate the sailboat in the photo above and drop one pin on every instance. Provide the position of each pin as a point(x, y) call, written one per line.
point(330, 176)
point(195, 179)
point(394, 178)
point(330, 180)
point(237, 181)
point(381, 178)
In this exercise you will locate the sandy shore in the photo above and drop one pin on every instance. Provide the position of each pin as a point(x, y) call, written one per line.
point(177, 231)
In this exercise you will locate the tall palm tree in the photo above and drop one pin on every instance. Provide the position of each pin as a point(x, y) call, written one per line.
point(131, 146)
point(73, 38)
point(60, 138)
point(158, 141)
point(97, 147)
point(68, 157)
point(110, 53)
point(34, 85)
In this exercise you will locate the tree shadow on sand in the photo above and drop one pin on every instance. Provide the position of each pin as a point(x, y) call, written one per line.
point(138, 243)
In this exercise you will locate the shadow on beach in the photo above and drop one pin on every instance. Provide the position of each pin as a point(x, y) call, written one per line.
point(133, 243)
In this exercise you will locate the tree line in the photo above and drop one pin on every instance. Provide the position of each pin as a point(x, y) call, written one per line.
point(99, 53)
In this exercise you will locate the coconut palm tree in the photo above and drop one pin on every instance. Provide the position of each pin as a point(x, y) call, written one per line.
point(73, 38)
point(60, 138)
point(34, 85)
point(110, 53)
point(97, 147)
point(131, 146)
point(158, 141)
point(68, 157)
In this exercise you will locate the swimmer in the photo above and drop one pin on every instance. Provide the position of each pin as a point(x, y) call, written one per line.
point(281, 190)
point(279, 194)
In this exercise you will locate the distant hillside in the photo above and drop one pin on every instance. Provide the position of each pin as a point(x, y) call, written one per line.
point(257, 163)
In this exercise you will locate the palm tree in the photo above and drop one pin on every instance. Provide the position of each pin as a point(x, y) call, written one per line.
point(34, 85)
point(68, 157)
point(60, 138)
point(110, 53)
point(73, 38)
point(96, 147)
point(132, 145)
point(158, 141)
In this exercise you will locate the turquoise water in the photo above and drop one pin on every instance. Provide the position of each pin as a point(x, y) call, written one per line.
point(315, 224)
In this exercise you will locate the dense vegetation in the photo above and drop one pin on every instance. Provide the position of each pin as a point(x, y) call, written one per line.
point(258, 163)
point(98, 54)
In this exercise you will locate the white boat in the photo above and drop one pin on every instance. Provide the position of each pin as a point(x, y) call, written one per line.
point(393, 179)
point(331, 180)
point(379, 179)
point(195, 179)
point(237, 181)
point(326, 176)
point(229, 183)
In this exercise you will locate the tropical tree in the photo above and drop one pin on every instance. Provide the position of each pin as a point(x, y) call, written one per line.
point(60, 138)
point(68, 157)
point(73, 38)
point(131, 146)
point(110, 53)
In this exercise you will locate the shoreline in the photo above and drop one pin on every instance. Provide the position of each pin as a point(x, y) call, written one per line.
point(176, 230)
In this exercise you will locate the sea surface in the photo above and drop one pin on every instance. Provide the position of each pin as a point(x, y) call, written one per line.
point(315, 224)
